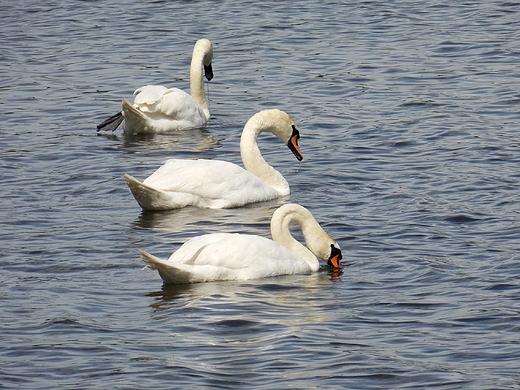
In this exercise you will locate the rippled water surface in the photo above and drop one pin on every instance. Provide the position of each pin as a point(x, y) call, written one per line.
point(409, 119)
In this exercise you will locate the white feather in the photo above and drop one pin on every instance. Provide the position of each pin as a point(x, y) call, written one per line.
point(157, 109)
point(220, 184)
point(226, 256)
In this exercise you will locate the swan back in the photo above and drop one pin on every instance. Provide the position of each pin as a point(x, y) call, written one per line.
point(319, 243)
point(227, 256)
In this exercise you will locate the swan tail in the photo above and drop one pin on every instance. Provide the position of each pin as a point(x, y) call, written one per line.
point(135, 120)
point(169, 272)
point(111, 123)
point(149, 198)
point(150, 260)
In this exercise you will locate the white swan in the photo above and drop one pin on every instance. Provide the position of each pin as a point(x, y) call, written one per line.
point(227, 256)
point(157, 109)
point(219, 184)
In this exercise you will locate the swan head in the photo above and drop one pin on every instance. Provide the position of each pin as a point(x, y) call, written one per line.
point(205, 48)
point(324, 247)
point(280, 124)
point(320, 242)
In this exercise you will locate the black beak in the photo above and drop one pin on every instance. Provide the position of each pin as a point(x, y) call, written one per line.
point(208, 72)
point(293, 144)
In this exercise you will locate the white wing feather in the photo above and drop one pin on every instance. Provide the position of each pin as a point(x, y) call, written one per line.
point(211, 180)
point(225, 256)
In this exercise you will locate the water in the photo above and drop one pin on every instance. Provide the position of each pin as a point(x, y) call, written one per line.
point(409, 120)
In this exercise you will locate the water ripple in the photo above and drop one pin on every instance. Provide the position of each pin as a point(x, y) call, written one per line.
point(408, 116)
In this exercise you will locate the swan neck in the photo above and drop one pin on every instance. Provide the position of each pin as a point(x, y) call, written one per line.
point(280, 231)
point(254, 161)
point(197, 81)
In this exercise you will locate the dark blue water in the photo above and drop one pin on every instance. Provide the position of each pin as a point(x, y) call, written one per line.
point(409, 120)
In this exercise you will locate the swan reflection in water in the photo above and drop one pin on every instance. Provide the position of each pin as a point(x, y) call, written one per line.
point(277, 291)
point(253, 218)
point(185, 141)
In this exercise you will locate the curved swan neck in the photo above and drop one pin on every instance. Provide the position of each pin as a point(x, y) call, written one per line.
point(280, 231)
point(201, 51)
point(251, 156)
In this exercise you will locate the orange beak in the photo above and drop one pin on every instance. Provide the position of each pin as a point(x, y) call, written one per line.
point(334, 261)
point(335, 257)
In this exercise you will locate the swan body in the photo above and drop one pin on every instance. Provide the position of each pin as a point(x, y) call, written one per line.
point(232, 256)
point(219, 184)
point(157, 109)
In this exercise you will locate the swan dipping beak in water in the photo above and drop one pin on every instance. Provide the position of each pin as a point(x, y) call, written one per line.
point(233, 256)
